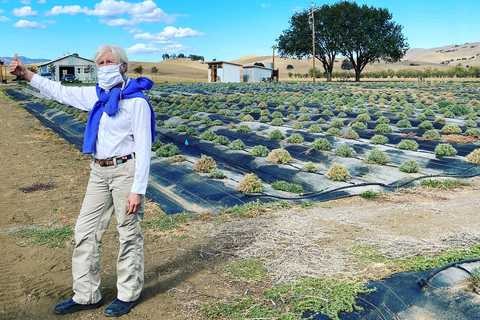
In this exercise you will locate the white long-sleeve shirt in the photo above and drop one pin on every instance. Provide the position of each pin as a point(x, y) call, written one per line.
point(125, 132)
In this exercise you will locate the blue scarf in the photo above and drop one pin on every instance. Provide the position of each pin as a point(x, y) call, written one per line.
point(108, 103)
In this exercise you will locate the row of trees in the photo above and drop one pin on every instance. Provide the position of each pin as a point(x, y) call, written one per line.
point(362, 34)
point(458, 71)
point(174, 56)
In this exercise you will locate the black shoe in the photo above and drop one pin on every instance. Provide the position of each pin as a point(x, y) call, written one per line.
point(70, 306)
point(118, 308)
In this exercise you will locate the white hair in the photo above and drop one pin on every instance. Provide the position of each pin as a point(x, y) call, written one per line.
point(119, 54)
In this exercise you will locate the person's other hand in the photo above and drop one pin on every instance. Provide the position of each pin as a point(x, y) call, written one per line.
point(133, 202)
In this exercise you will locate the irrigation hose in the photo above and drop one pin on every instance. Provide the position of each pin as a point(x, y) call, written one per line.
point(423, 281)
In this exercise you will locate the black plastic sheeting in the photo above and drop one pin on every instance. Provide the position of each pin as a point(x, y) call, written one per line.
point(400, 296)
point(177, 188)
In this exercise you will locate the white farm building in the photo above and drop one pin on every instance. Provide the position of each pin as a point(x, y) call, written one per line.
point(221, 71)
point(83, 69)
point(256, 73)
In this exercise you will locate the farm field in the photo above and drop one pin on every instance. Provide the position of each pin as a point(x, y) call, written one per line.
point(298, 142)
point(299, 239)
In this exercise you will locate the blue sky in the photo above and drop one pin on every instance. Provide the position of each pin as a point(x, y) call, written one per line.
point(224, 30)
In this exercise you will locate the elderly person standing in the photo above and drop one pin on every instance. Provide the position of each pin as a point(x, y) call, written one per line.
point(119, 133)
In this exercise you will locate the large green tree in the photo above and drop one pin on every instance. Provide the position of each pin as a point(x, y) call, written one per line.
point(296, 41)
point(361, 34)
point(369, 35)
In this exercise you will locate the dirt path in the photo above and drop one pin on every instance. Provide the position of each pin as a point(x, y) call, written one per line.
point(34, 278)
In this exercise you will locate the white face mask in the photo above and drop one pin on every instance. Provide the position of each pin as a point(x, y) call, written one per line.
point(109, 76)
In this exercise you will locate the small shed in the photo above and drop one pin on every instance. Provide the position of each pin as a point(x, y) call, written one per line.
point(257, 74)
point(222, 71)
point(83, 69)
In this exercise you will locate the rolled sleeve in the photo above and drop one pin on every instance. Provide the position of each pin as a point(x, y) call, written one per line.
point(142, 135)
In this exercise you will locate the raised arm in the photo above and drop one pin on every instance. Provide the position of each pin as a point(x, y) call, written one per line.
point(82, 98)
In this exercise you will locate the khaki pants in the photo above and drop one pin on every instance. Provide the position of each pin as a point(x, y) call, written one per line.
point(107, 192)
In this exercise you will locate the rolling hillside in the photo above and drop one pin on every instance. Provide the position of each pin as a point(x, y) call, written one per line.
point(196, 71)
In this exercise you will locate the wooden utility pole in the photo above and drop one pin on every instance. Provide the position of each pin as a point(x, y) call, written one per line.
point(312, 19)
point(273, 57)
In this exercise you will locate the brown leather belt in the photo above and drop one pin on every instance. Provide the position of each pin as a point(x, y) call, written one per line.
point(114, 161)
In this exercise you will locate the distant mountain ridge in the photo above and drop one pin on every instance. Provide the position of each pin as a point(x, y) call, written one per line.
point(25, 60)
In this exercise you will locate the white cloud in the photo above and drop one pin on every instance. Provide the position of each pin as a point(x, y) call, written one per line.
point(24, 12)
point(168, 33)
point(71, 10)
point(177, 48)
point(266, 5)
point(29, 25)
point(119, 13)
point(26, 1)
point(48, 21)
point(5, 19)
point(42, 1)
point(141, 48)
point(1, 10)
point(133, 30)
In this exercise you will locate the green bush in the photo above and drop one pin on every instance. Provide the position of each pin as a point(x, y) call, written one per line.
point(377, 156)
point(276, 135)
point(359, 126)
point(297, 126)
point(263, 119)
point(244, 128)
point(383, 128)
point(277, 122)
point(216, 173)
point(295, 138)
point(286, 186)
point(259, 151)
point(206, 121)
point(194, 117)
point(445, 150)
point(431, 135)
point(309, 167)
point(378, 139)
point(321, 144)
point(460, 109)
point(333, 132)
point(208, 135)
point(192, 132)
point(383, 120)
point(336, 123)
point(404, 123)
point(277, 114)
point(363, 117)
point(425, 125)
point(472, 132)
point(181, 128)
point(409, 166)
point(236, 145)
point(167, 150)
point(351, 134)
point(451, 129)
point(315, 129)
point(157, 144)
point(217, 122)
point(345, 151)
point(221, 141)
point(407, 145)
point(304, 117)
point(401, 115)
point(338, 173)
point(470, 123)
